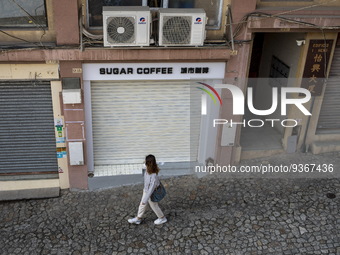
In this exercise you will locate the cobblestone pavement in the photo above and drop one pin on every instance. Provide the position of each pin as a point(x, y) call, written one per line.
point(211, 215)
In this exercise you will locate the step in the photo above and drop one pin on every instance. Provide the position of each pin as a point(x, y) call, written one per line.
point(28, 189)
point(325, 146)
point(167, 170)
point(251, 154)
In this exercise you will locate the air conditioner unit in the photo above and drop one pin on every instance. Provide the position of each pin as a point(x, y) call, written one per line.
point(181, 27)
point(126, 26)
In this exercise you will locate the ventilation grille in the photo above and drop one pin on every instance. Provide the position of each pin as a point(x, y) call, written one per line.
point(121, 29)
point(177, 30)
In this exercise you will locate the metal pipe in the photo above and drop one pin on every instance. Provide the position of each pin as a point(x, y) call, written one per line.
point(81, 28)
point(231, 28)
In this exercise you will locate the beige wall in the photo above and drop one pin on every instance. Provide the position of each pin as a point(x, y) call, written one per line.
point(28, 185)
point(62, 162)
point(29, 71)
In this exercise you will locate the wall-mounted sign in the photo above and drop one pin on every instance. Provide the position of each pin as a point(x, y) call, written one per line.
point(77, 70)
point(58, 122)
point(316, 65)
point(154, 71)
point(60, 140)
point(61, 152)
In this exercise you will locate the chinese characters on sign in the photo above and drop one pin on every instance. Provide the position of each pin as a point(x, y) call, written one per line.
point(316, 66)
point(150, 71)
point(194, 70)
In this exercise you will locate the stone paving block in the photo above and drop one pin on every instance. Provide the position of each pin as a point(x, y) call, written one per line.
point(227, 216)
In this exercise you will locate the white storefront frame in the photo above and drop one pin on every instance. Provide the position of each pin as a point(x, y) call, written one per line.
point(161, 71)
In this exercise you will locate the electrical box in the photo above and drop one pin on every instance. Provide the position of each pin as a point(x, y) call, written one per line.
point(76, 153)
point(292, 143)
point(72, 96)
point(228, 135)
point(71, 91)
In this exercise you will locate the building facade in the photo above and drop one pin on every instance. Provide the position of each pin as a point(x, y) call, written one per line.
point(73, 106)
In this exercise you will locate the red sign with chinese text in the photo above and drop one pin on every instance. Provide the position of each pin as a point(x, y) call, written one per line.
point(316, 66)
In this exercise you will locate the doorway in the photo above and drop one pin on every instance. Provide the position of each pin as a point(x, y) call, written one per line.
point(273, 64)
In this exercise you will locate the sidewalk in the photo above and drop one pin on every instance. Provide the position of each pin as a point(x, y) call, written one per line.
point(216, 214)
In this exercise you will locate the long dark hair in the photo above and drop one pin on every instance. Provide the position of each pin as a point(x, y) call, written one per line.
point(151, 164)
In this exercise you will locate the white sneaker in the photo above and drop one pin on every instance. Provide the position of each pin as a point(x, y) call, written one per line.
point(160, 221)
point(134, 220)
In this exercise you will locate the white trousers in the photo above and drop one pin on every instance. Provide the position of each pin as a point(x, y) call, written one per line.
point(154, 206)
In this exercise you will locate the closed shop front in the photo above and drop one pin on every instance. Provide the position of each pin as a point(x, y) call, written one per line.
point(28, 156)
point(27, 135)
point(328, 120)
point(128, 118)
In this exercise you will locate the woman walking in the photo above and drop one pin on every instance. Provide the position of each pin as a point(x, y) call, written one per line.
point(151, 181)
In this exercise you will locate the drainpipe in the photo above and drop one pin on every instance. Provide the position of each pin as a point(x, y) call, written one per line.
point(231, 28)
point(307, 127)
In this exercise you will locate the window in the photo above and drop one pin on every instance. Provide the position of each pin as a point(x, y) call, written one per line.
point(279, 73)
point(95, 9)
point(22, 13)
point(213, 8)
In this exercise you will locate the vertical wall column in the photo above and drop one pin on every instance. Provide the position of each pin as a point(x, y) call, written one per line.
point(236, 74)
point(66, 22)
point(60, 134)
point(74, 116)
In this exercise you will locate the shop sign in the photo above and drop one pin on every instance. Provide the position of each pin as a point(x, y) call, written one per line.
point(316, 66)
point(154, 71)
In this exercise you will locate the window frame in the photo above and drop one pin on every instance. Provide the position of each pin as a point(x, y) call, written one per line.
point(33, 34)
point(165, 5)
point(33, 27)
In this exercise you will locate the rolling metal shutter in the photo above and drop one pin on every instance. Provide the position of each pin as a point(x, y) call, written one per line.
point(328, 119)
point(27, 136)
point(133, 119)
